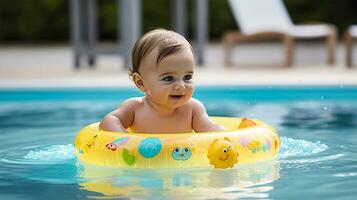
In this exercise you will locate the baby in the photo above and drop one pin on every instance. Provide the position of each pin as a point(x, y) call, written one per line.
point(163, 70)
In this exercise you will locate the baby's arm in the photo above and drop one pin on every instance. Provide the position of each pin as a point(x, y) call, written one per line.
point(121, 118)
point(200, 120)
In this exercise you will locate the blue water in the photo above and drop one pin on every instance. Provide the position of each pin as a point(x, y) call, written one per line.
point(318, 158)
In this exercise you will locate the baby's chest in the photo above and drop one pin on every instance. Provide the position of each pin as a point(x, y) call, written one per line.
point(152, 123)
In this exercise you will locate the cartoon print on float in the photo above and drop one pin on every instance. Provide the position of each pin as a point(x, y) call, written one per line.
point(181, 153)
point(117, 143)
point(244, 141)
point(223, 153)
point(90, 143)
point(150, 147)
point(276, 143)
point(256, 146)
point(246, 123)
point(128, 158)
point(266, 146)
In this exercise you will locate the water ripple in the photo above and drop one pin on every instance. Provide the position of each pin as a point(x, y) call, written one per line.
point(346, 174)
point(313, 160)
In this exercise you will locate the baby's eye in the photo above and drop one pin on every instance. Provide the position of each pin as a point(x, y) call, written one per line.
point(187, 77)
point(168, 78)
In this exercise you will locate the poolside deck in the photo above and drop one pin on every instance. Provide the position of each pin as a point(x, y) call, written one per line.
point(256, 64)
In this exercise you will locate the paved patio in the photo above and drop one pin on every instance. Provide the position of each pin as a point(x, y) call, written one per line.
point(256, 64)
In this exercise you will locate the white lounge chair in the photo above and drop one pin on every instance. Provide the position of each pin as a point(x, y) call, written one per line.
point(350, 37)
point(268, 19)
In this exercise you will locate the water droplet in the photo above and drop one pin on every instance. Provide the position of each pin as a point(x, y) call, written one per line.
point(325, 108)
point(322, 97)
point(341, 86)
point(248, 103)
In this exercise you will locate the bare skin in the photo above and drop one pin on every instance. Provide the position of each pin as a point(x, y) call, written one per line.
point(168, 106)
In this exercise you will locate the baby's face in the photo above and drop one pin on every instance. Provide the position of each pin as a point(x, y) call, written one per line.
point(170, 83)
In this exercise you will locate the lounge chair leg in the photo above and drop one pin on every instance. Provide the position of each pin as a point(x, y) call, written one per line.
point(331, 45)
point(91, 61)
point(289, 45)
point(228, 43)
point(348, 49)
point(77, 61)
point(227, 55)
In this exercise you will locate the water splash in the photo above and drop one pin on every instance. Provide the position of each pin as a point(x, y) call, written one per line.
point(54, 153)
point(293, 147)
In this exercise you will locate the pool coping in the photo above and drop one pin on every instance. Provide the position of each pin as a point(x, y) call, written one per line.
point(255, 65)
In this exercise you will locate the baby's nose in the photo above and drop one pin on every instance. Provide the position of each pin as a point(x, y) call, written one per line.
point(179, 85)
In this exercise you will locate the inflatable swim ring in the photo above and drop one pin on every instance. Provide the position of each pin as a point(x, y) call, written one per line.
point(244, 142)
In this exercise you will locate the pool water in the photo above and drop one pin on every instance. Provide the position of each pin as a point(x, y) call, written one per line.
point(318, 157)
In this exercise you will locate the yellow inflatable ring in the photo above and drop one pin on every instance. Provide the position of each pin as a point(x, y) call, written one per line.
point(217, 149)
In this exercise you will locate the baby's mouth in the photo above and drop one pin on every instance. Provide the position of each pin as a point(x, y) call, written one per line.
point(177, 97)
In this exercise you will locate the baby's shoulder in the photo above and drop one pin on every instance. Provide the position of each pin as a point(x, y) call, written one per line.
point(132, 102)
point(194, 103)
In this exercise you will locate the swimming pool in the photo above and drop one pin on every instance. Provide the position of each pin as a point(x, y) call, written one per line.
point(318, 159)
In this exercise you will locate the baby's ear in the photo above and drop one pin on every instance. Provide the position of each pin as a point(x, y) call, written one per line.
point(138, 81)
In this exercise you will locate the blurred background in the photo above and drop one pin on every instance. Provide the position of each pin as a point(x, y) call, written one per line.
point(36, 39)
point(48, 21)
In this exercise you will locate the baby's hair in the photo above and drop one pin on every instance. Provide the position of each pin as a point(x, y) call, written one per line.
point(165, 41)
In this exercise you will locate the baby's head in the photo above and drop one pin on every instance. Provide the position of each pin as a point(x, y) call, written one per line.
point(163, 67)
point(164, 42)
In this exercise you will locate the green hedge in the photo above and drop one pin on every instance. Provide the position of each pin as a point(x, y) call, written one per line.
point(48, 20)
